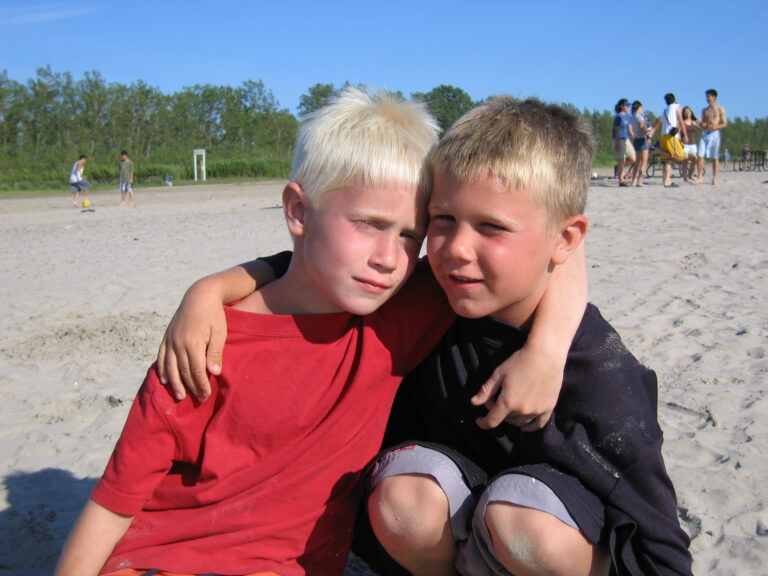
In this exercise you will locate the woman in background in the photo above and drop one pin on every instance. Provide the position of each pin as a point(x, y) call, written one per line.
point(640, 130)
point(689, 146)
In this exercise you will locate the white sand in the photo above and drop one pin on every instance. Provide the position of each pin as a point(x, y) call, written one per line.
point(85, 297)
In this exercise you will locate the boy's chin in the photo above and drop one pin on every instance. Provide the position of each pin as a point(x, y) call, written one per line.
point(363, 308)
point(469, 310)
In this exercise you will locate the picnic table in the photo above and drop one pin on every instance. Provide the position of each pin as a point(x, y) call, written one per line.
point(755, 161)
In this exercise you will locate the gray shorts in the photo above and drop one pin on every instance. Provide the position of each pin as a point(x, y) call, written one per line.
point(475, 548)
point(126, 187)
point(78, 187)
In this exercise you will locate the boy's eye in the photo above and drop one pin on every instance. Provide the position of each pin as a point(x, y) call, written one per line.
point(441, 218)
point(375, 224)
point(412, 236)
point(491, 226)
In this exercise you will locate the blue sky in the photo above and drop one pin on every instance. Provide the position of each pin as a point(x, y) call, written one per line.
point(587, 53)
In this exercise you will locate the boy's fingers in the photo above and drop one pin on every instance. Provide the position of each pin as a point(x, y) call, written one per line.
point(172, 377)
point(184, 373)
point(198, 376)
point(200, 386)
point(216, 350)
point(487, 391)
point(160, 363)
point(496, 415)
point(500, 410)
point(537, 423)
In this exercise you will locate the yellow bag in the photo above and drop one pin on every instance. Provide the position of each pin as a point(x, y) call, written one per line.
point(672, 146)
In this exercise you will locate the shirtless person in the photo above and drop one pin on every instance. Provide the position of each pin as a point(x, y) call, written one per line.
point(713, 119)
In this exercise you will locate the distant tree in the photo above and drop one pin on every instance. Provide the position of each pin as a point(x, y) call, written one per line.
point(741, 131)
point(12, 114)
point(49, 103)
point(319, 95)
point(144, 115)
point(447, 103)
point(93, 97)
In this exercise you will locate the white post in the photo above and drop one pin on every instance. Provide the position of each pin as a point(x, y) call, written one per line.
point(195, 153)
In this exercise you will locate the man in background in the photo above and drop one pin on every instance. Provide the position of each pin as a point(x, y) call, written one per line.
point(126, 178)
point(713, 119)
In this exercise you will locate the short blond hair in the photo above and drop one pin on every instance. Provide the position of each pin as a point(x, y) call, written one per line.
point(527, 144)
point(363, 139)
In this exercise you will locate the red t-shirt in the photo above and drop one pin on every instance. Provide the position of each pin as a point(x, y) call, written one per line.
point(263, 476)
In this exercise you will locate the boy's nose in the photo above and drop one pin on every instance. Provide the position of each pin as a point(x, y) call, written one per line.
point(457, 245)
point(385, 256)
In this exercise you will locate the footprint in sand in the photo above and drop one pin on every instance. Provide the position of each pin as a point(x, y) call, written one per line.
point(693, 261)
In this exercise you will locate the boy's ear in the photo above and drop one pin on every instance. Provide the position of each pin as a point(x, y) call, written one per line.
point(294, 208)
point(569, 238)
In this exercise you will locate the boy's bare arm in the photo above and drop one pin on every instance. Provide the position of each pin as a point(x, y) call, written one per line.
point(194, 340)
point(92, 540)
point(524, 389)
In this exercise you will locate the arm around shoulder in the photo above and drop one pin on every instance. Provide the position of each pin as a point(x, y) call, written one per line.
point(524, 389)
point(91, 541)
point(194, 340)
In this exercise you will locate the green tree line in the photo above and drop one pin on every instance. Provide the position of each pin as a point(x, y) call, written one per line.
point(47, 121)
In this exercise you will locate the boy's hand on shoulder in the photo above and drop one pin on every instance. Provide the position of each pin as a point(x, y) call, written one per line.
point(193, 344)
point(522, 391)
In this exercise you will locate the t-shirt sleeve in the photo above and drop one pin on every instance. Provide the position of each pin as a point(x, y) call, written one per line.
point(415, 319)
point(279, 262)
point(144, 453)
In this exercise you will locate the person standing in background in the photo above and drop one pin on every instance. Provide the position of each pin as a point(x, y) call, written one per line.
point(126, 178)
point(78, 183)
point(640, 142)
point(713, 119)
point(622, 140)
point(672, 117)
point(691, 124)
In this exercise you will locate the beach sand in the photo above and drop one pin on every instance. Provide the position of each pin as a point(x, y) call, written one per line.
point(86, 295)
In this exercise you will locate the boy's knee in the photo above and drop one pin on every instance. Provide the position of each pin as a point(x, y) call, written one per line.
point(408, 509)
point(529, 541)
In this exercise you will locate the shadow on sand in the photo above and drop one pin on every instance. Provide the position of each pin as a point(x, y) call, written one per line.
point(42, 507)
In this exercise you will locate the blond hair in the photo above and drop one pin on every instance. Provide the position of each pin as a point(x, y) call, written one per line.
point(363, 139)
point(527, 144)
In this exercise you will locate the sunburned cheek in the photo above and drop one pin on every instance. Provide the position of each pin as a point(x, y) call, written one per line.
point(434, 244)
point(408, 270)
